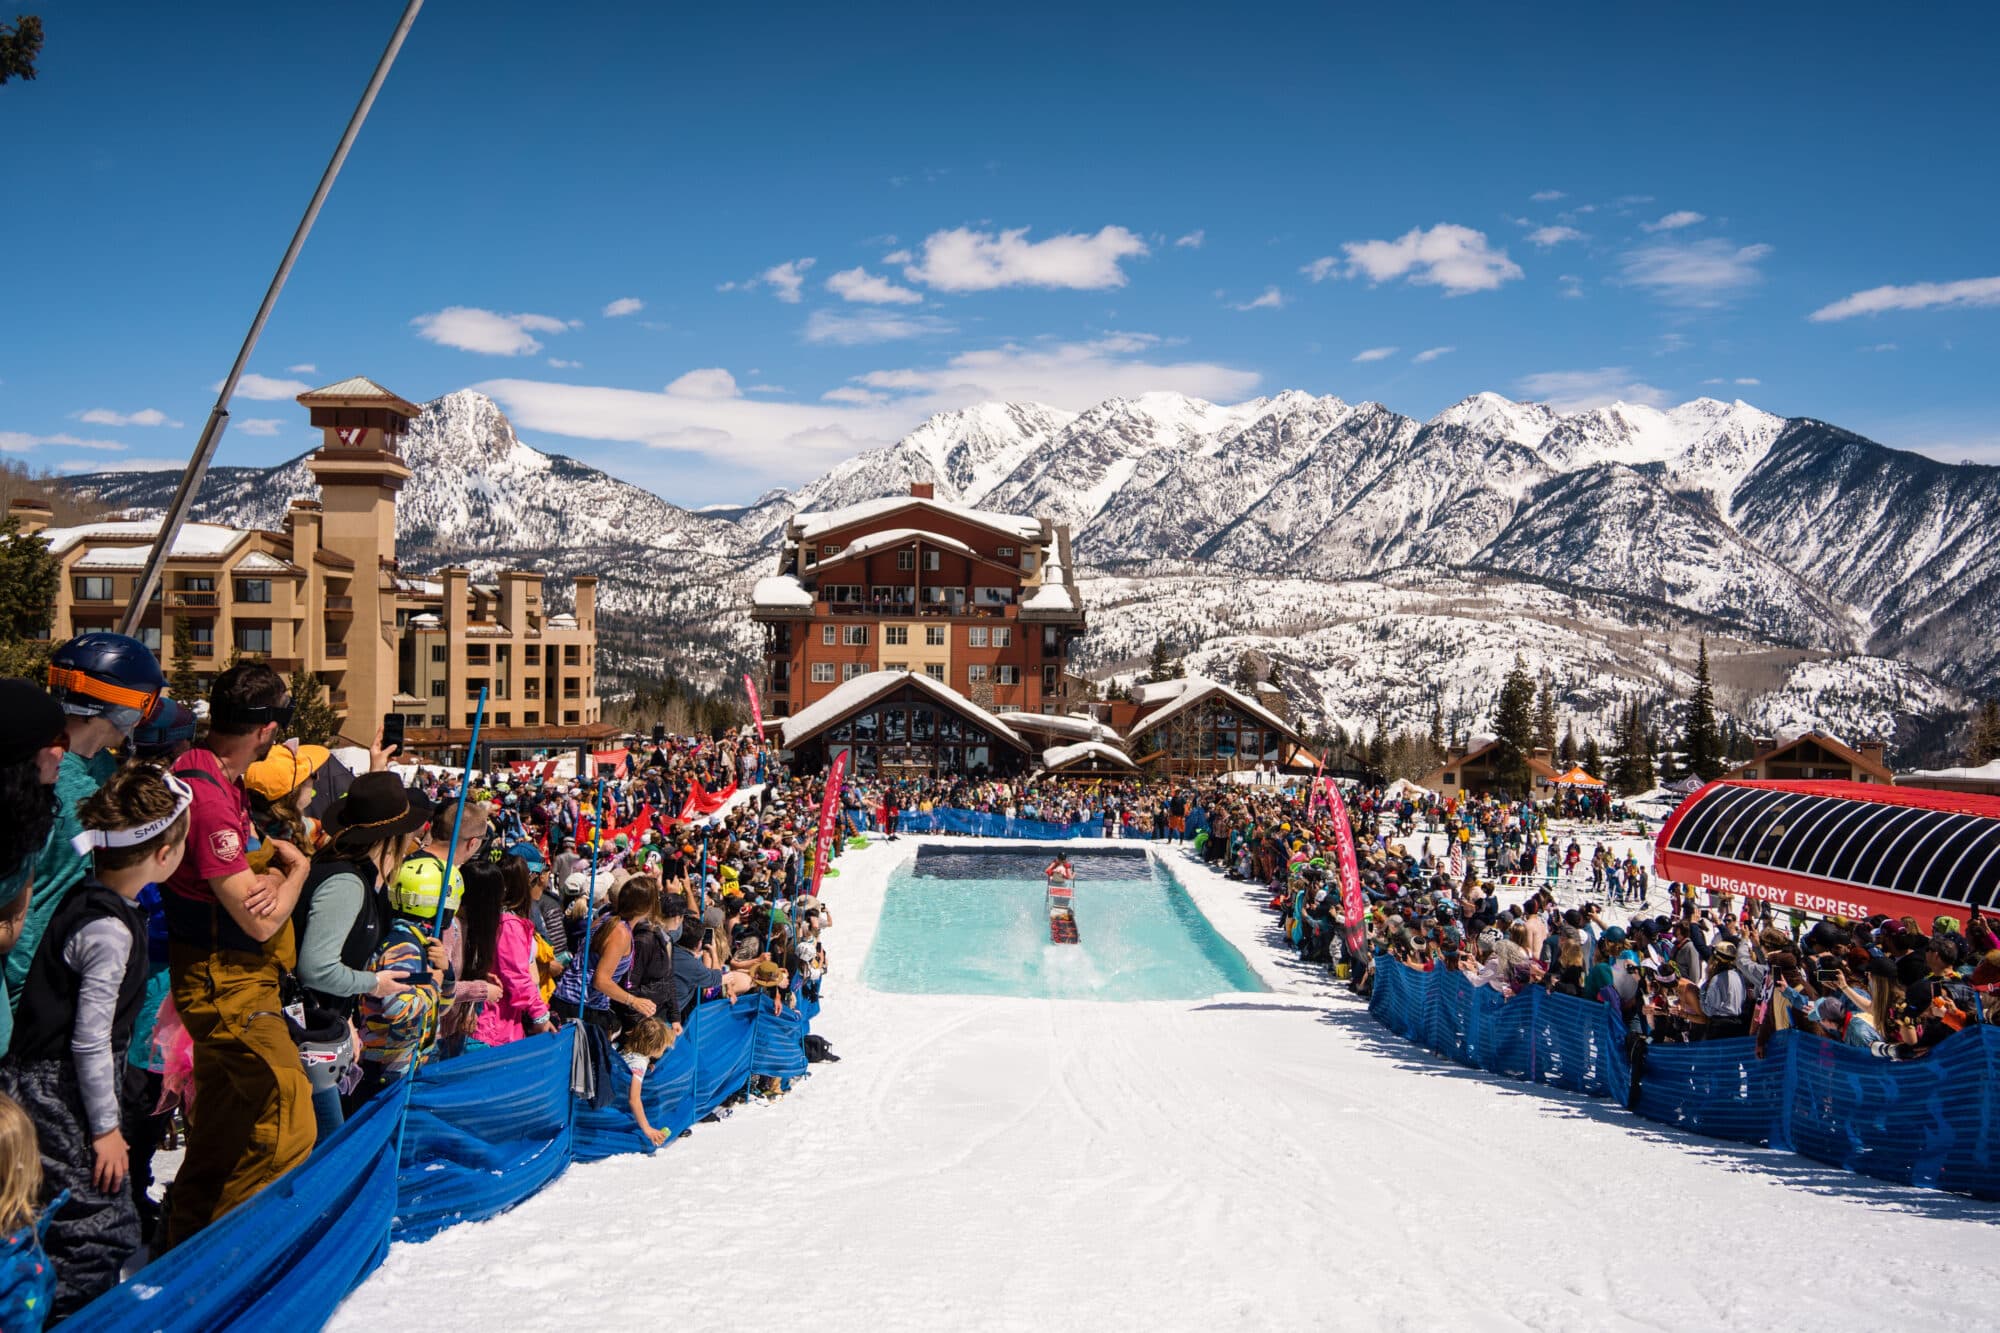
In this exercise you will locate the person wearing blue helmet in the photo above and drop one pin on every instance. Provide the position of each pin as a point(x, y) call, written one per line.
point(106, 685)
point(166, 735)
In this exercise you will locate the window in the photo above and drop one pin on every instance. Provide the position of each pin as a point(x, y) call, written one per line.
point(503, 719)
point(478, 654)
point(439, 719)
point(150, 636)
point(931, 559)
point(830, 548)
point(854, 636)
point(1049, 680)
point(975, 637)
point(822, 673)
point(93, 590)
point(975, 673)
point(895, 666)
point(1010, 675)
point(253, 638)
point(473, 685)
point(935, 670)
point(1005, 553)
point(895, 635)
point(504, 653)
point(202, 632)
point(531, 688)
point(849, 670)
point(572, 688)
point(906, 559)
point(934, 636)
point(472, 718)
point(569, 716)
point(198, 583)
point(828, 635)
point(532, 654)
point(253, 590)
point(437, 652)
point(570, 657)
point(1027, 562)
point(531, 719)
point(1003, 636)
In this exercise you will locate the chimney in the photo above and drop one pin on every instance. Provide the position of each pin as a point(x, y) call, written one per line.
point(31, 512)
point(1875, 750)
point(584, 599)
point(1764, 745)
point(923, 490)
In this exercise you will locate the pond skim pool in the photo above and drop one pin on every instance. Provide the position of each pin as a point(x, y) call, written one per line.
point(975, 922)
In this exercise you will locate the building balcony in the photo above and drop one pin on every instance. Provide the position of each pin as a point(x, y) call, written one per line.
point(341, 607)
point(336, 698)
point(924, 611)
point(178, 600)
point(202, 649)
point(336, 650)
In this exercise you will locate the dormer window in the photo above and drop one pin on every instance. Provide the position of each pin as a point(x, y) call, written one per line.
point(830, 548)
point(1006, 553)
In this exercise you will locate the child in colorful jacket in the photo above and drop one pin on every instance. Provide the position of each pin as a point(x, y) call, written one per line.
point(399, 1032)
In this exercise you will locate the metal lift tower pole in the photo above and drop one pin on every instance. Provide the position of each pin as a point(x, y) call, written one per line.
point(218, 418)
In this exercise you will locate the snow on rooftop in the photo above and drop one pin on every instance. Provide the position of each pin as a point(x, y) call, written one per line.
point(875, 541)
point(1195, 689)
point(1057, 756)
point(855, 694)
point(813, 525)
point(1083, 728)
point(194, 539)
point(1153, 691)
point(1984, 773)
point(780, 590)
point(1050, 597)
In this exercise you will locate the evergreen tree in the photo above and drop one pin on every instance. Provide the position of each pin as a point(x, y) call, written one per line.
point(314, 720)
point(28, 577)
point(1249, 673)
point(1984, 747)
point(1545, 717)
point(20, 43)
point(1593, 758)
point(1160, 666)
point(1514, 724)
point(1567, 751)
point(1437, 727)
point(1378, 745)
point(182, 682)
point(1632, 766)
point(1701, 739)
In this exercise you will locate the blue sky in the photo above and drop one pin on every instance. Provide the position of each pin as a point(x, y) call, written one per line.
point(603, 214)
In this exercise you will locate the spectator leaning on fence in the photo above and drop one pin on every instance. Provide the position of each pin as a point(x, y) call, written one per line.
point(230, 942)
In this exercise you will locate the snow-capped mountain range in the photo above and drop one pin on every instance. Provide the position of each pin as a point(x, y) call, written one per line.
point(1779, 536)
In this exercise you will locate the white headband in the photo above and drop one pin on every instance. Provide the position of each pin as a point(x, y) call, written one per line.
point(142, 833)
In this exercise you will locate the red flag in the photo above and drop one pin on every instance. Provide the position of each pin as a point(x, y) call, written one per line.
point(756, 713)
point(1352, 905)
point(829, 806)
point(702, 802)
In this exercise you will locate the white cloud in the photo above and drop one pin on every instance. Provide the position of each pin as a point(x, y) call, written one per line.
point(1572, 285)
point(1547, 196)
point(1576, 390)
point(76, 465)
point(624, 305)
point(898, 257)
point(1376, 354)
point(145, 416)
point(1191, 241)
point(561, 364)
point(303, 368)
point(1693, 273)
point(785, 279)
point(870, 326)
point(1552, 236)
point(765, 388)
point(1455, 258)
point(1685, 217)
point(847, 393)
point(1880, 347)
point(16, 442)
point(733, 286)
point(1669, 343)
point(1271, 299)
point(1748, 380)
point(1322, 268)
point(1916, 296)
point(264, 388)
point(488, 332)
point(766, 442)
point(1430, 354)
point(963, 260)
point(258, 425)
point(858, 284)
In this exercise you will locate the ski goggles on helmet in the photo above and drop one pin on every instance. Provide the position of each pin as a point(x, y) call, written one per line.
point(103, 698)
point(255, 715)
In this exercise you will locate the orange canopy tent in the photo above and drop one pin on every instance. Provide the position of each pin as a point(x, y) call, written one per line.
point(1576, 777)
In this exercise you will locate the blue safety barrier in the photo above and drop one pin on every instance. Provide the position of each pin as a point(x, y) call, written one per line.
point(477, 1134)
point(1933, 1122)
point(985, 824)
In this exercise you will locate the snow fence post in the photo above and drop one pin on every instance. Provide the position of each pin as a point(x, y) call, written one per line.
point(1780, 1135)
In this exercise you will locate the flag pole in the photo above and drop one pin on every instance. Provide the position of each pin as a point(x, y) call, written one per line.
point(464, 789)
point(218, 417)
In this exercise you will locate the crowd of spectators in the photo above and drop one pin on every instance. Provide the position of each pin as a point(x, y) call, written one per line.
point(216, 933)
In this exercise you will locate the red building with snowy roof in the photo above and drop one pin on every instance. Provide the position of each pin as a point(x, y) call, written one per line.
point(982, 603)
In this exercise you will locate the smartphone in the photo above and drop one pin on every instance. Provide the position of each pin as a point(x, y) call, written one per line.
point(392, 732)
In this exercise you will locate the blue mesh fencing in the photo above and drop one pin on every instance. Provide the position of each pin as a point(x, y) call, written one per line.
point(1931, 1122)
point(467, 1138)
point(985, 824)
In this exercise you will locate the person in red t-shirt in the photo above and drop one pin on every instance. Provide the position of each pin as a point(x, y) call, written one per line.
point(230, 941)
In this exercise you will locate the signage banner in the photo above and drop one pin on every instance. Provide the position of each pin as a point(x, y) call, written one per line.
point(756, 713)
point(1352, 906)
point(829, 809)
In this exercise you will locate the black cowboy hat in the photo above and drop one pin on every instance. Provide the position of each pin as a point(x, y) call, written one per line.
point(377, 806)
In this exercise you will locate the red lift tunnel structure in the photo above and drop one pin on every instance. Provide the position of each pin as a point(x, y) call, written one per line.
point(1848, 849)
